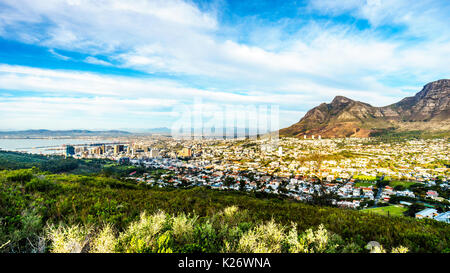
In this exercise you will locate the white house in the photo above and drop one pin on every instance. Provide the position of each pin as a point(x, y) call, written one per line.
point(426, 213)
point(443, 217)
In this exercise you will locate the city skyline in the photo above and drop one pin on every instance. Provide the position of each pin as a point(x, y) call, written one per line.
point(112, 65)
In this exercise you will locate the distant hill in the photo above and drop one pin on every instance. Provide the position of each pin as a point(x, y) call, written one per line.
point(161, 130)
point(428, 110)
point(60, 133)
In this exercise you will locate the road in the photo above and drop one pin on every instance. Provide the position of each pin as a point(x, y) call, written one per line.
point(380, 190)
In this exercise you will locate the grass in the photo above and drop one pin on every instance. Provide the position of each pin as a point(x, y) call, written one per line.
point(361, 177)
point(364, 184)
point(389, 210)
point(405, 184)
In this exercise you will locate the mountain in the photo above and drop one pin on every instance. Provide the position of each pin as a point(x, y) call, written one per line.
point(427, 110)
point(161, 130)
point(61, 133)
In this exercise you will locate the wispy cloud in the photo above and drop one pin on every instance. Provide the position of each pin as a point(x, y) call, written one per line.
point(93, 60)
point(57, 55)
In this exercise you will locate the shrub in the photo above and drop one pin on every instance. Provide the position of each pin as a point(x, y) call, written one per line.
point(229, 212)
point(141, 236)
point(183, 228)
point(105, 241)
point(378, 249)
point(400, 249)
point(20, 175)
point(231, 236)
point(39, 184)
point(25, 237)
point(264, 238)
point(68, 239)
point(318, 241)
point(206, 237)
point(164, 243)
point(352, 248)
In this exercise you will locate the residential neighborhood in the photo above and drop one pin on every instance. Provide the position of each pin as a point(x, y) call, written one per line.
point(354, 173)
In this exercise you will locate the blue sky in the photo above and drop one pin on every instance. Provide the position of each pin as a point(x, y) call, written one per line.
point(133, 64)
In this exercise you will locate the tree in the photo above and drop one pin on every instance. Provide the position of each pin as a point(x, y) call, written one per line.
point(229, 181)
point(242, 185)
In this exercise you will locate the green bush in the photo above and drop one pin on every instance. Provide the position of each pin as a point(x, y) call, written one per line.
point(20, 176)
point(264, 238)
point(142, 236)
point(39, 184)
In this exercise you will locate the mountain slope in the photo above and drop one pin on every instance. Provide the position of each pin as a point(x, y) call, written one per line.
point(427, 110)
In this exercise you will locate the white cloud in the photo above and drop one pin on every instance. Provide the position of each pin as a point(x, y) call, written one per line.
point(93, 60)
point(89, 96)
point(296, 70)
point(423, 18)
point(96, 112)
point(69, 83)
point(57, 55)
point(106, 25)
point(177, 37)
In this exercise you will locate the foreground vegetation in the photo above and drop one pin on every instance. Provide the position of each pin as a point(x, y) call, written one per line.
point(60, 164)
point(42, 211)
point(225, 231)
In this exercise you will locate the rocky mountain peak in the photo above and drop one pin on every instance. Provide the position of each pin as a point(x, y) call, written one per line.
point(433, 101)
point(339, 101)
point(436, 89)
point(428, 110)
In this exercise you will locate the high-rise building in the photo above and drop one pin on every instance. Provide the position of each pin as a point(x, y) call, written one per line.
point(70, 150)
point(97, 150)
point(118, 149)
point(185, 152)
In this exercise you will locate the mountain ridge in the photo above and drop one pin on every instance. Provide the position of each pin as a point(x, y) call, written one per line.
point(429, 109)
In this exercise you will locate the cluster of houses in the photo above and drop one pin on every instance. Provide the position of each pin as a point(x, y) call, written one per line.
point(348, 204)
point(433, 214)
point(350, 195)
point(394, 160)
point(297, 187)
point(226, 164)
point(388, 191)
point(348, 190)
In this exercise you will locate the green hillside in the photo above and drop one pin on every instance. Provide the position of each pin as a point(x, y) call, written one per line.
point(31, 200)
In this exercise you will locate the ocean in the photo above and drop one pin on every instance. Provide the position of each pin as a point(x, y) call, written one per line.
point(42, 145)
